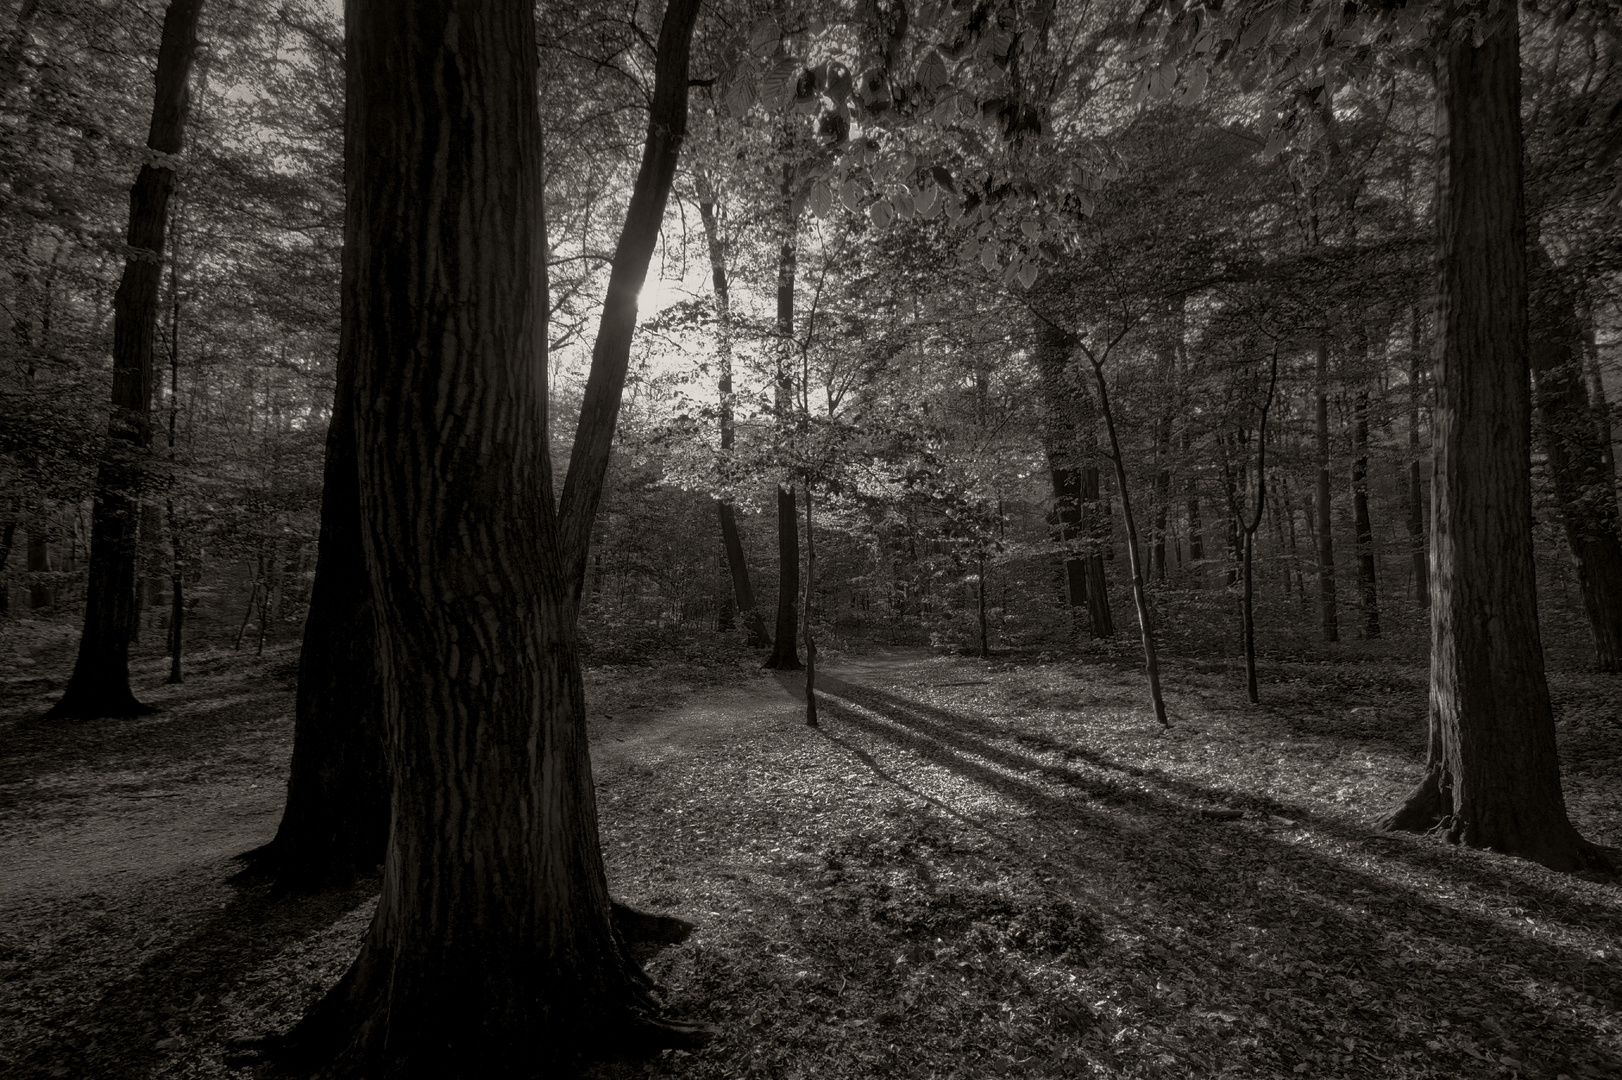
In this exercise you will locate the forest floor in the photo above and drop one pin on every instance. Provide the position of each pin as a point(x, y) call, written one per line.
point(972, 869)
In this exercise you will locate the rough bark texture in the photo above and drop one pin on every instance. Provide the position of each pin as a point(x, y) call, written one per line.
point(1583, 489)
point(100, 684)
point(1492, 776)
point(492, 951)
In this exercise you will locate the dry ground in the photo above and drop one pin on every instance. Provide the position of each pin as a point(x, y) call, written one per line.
point(972, 869)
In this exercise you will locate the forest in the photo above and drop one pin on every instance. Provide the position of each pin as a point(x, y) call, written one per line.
point(932, 539)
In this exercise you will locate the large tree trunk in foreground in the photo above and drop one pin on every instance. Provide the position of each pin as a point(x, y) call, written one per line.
point(1492, 778)
point(492, 951)
point(1570, 436)
point(100, 684)
point(335, 821)
point(743, 591)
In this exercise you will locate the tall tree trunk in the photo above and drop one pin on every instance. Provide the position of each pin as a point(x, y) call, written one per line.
point(1370, 598)
point(1416, 491)
point(1095, 525)
point(336, 818)
point(806, 607)
point(1583, 491)
point(492, 950)
point(1146, 632)
point(100, 684)
point(785, 655)
point(1492, 775)
point(40, 592)
point(1596, 377)
point(1326, 543)
point(732, 543)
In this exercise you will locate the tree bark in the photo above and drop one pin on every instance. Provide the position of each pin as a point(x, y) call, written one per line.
point(100, 683)
point(810, 642)
point(1326, 542)
point(1370, 597)
point(785, 655)
point(611, 352)
point(1492, 776)
point(743, 590)
point(1570, 436)
point(492, 951)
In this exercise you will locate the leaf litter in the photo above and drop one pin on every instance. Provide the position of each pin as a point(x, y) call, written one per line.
point(971, 869)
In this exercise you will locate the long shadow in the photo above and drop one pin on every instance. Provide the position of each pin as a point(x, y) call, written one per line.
point(970, 735)
point(1161, 848)
point(176, 992)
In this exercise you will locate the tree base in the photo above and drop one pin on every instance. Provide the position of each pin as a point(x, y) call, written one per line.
point(783, 663)
point(98, 703)
point(1429, 809)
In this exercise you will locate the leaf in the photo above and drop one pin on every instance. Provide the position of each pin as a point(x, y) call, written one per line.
point(988, 258)
point(822, 199)
point(954, 210)
point(850, 193)
point(932, 72)
point(881, 213)
point(904, 205)
point(1194, 83)
point(1277, 140)
point(928, 201)
point(1031, 228)
point(943, 178)
point(777, 87)
point(1027, 274)
point(740, 97)
point(1086, 201)
point(764, 37)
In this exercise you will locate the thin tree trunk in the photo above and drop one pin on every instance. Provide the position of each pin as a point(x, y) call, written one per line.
point(980, 581)
point(100, 684)
point(785, 655)
point(492, 950)
point(810, 642)
point(1416, 490)
point(1492, 775)
point(1360, 513)
point(732, 543)
point(1151, 662)
point(247, 614)
point(177, 599)
point(1095, 526)
point(1326, 542)
point(40, 592)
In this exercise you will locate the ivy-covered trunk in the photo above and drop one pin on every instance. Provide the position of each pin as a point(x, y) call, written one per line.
point(1492, 775)
point(100, 684)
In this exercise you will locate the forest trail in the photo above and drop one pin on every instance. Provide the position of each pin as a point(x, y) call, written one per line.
point(972, 868)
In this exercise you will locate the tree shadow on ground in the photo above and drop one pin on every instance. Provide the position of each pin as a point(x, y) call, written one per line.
point(1388, 956)
point(171, 1004)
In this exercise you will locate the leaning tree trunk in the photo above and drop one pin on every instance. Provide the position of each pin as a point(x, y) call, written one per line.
point(100, 684)
point(1492, 776)
point(743, 591)
point(1583, 489)
point(785, 654)
point(492, 950)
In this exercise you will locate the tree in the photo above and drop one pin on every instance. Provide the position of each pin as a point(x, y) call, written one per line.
point(492, 951)
point(100, 684)
point(1492, 774)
